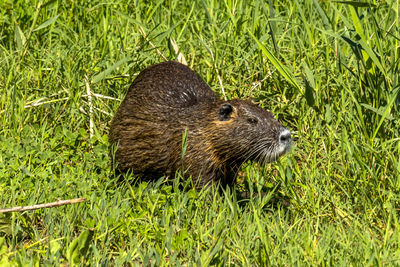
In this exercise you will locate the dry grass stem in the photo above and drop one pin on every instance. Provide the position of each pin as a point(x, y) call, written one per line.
point(42, 206)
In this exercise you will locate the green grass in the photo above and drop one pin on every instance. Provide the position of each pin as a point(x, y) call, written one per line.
point(329, 71)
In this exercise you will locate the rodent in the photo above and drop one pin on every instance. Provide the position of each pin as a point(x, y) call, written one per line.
point(169, 98)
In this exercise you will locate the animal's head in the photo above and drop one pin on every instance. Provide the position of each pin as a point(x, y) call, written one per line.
point(248, 132)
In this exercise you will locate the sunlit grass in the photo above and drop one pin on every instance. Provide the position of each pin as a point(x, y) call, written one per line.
point(329, 71)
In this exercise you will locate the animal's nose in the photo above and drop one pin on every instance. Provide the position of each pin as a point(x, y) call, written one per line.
point(284, 136)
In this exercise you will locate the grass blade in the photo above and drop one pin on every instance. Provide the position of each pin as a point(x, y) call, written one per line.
point(102, 75)
point(278, 65)
point(46, 23)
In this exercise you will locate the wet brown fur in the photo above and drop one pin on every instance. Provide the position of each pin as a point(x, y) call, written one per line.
point(167, 98)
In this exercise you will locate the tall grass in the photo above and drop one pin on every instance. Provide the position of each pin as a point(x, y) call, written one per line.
point(328, 70)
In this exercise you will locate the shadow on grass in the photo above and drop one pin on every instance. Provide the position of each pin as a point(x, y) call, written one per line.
point(266, 197)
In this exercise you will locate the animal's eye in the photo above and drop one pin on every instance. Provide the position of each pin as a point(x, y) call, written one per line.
point(252, 120)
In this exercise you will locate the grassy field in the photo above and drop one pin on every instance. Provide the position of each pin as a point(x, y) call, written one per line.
point(328, 70)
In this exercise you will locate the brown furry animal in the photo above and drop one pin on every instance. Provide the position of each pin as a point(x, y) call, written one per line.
point(167, 99)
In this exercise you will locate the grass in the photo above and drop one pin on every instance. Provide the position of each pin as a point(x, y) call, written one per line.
point(329, 71)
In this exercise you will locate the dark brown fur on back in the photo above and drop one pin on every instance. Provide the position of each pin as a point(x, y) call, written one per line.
point(168, 98)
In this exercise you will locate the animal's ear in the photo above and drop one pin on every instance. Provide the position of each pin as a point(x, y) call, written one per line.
point(225, 112)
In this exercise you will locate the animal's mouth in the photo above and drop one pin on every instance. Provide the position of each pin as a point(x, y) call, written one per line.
point(268, 152)
point(272, 150)
point(276, 154)
point(284, 148)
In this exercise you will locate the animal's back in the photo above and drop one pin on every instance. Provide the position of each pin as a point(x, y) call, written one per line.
point(169, 84)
